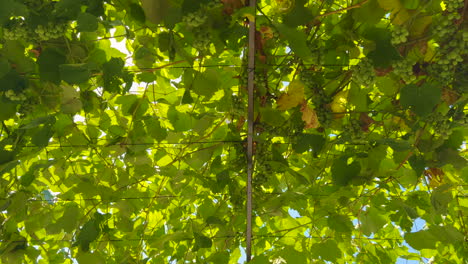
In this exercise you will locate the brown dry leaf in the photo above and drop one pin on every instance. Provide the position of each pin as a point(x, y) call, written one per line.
point(365, 121)
point(449, 96)
point(231, 5)
point(435, 176)
point(293, 97)
point(309, 116)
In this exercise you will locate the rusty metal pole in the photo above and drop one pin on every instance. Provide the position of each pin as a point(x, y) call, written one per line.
point(250, 131)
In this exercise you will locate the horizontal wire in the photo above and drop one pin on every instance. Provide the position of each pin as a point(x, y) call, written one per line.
point(215, 237)
point(329, 237)
point(177, 196)
point(105, 240)
point(136, 144)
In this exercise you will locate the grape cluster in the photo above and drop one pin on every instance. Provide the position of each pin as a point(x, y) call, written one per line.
point(238, 107)
point(308, 80)
point(321, 102)
point(363, 73)
point(262, 166)
point(451, 54)
point(202, 39)
point(195, 19)
point(50, 31)
point(34, 4)
point(404, 70)
point(453, 5)
point(444, 28)
point(17, 31)
point(261, 81)
point(355, 131)
point(441, 124)
point(199, 17)
point(13, 96)
point(399, 35)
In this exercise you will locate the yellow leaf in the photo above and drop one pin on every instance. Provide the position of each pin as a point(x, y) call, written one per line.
point(338, 105)
point(283, 6)
point(419, 26)
point(400, 16)
point(293, 96)
point(309, 116)
point(390, 4)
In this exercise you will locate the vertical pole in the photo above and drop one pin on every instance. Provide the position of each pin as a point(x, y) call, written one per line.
point(250, 131)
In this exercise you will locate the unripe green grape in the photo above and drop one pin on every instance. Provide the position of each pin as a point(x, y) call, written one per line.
point(202, 39)
point(13, 96)
point(404, 70)
point(50, 31)
point(363, 73)
point(399, 35)
point(195, 19)
point(453, 5)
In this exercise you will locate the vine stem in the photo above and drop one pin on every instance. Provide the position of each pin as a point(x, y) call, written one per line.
point(250, 130)
point(343, 9)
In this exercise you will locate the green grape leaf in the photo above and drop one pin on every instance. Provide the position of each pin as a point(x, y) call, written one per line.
point(112, 72)
point(4, 67)
point(206, 83)
point(441, 197)
point(372, 221)
point(88, 257)
point(144, 57)
point(153, 126)
point(299, 15)
point(88, 233)
point(421, 99)
point(10, 8)
point(327, 250)
point(42, 136)
point(423, 239)
point(309, 141)
point(137, 13)
point(70, 217)
point(68, 9)
point(27, 178)
point(290, 255)
point(155, 10)
point(343, 173)
point(297, 41)
point(48, 63)
point(410, 4)
point(180, 121)
point(418, 164)
point(87, 22)
point(202, 241)
point(260, 259)
point(340, 223)
point(74, 73)
point(8, 109)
